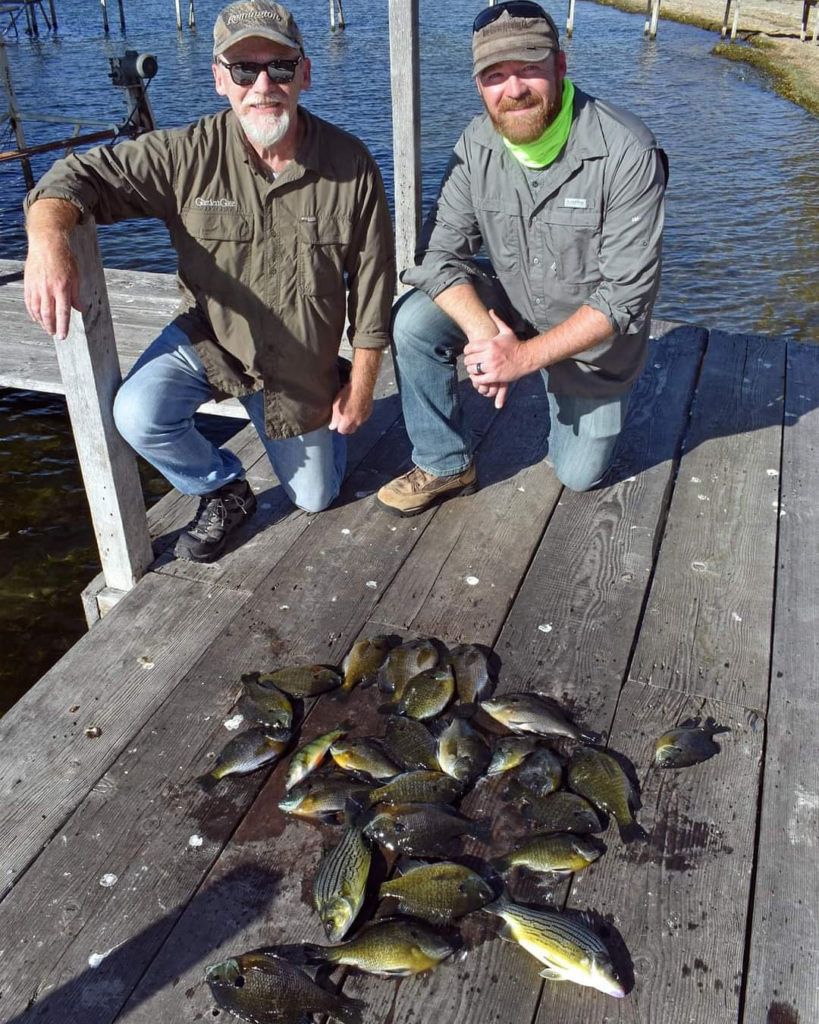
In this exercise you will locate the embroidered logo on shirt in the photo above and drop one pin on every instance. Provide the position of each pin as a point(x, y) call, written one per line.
point(575, 204)
point(215, 203)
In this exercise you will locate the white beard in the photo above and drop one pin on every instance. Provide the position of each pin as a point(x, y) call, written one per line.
point(265, 132)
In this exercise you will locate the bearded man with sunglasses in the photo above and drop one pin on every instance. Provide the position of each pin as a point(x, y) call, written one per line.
point(564, 193)
point(281, 226)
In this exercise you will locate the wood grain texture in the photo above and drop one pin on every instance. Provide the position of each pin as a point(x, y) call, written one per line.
point(784, 960)
point(112, 679)
point(673, 909)
point(707, 625)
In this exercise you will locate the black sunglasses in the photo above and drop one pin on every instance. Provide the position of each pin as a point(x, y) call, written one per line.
point(516, 9)
point(245, 72)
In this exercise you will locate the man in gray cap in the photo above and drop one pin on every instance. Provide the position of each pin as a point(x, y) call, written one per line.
point(565, 193)
point(281, 226)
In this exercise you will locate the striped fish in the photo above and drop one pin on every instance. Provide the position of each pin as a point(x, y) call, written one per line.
point(570, 950)
point(341, 881)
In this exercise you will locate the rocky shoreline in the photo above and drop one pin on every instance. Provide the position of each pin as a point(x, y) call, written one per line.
point(771, 27)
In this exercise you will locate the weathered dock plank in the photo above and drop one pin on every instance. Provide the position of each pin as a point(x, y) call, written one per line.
point(706, 629)
point(784, 948)
point(676, 906)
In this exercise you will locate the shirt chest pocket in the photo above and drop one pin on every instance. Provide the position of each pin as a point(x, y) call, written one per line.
point(222, 225)
point(572, 238)
point(322, 246)
point(502, 229)
point(215, 238)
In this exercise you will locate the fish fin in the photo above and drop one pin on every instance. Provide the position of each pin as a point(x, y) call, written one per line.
point(312, 953)
point(632, 831)
point(207, 781)
point(349, 1011)
point(552, 974)
point(405, 864)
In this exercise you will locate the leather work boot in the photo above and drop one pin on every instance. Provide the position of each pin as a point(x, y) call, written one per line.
point(220, 513)
point(418, 490)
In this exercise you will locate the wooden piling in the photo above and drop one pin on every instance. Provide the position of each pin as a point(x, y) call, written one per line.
point(406, 127)
point(570, 20)
point(90, 370)
point(105, 27)
point(121, 15)
point(652, 18)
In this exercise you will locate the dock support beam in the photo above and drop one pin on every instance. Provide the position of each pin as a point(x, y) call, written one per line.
point(91, 374)
point(652, 18)
point(406, 127)
point(570, 20)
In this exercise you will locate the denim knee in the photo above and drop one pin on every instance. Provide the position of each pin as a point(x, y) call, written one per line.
point(314, 501)
point(578, 477)
point(129, 415)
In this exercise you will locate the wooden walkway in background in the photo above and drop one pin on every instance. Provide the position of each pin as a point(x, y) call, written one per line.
point(686, 587)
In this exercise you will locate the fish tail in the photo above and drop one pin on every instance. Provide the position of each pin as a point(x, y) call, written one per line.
point(349, 1011)
point(632, 831)
point(207, 781)
point(312, 953)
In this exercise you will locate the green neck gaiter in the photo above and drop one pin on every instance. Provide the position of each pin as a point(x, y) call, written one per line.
point(545, 150)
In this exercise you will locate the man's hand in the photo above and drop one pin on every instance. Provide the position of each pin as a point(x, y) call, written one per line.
point(350, 410)
point(500, 359)
point(52, 279)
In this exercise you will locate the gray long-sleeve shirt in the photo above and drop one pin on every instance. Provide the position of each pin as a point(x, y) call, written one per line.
point(586, 230)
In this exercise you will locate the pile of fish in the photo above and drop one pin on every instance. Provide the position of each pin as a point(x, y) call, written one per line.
point(402, 791)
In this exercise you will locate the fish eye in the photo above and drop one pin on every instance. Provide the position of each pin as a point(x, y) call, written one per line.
point(239, 982)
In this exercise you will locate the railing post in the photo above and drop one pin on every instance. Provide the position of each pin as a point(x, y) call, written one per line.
point(406, 127)
point(91, 374)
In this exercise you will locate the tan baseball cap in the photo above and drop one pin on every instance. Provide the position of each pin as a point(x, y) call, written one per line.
point(519, 31)
point(255, 19)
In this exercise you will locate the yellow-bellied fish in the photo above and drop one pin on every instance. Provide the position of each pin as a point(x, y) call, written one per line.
point(364, 659)
point(541, 774)
point(404, 662)
point(422, 830)
point(309, 757)
point(265, 989)
point(324, 797)
point(561, 812)
point(427, 694)
point(690, 743)
point(510, 751)
point(472, 679)
point(303, 680)
point(363, 755)
point(265, 704)
point(246, 752)
point(570, 949)
point(555, 853)
point(393, 948)
point(419, 787)
point(598, 777)
point(411, 744)
point(437, 892)
point(341, 882)
point(529, 712)
point(463, 753)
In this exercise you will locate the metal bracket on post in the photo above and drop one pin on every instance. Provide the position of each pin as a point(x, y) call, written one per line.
point(91, 374)
point(406, 128)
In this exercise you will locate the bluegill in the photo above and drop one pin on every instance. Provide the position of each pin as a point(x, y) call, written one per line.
point(419, 787)
point(341, 882)
point(510, 751)
point(309, 757)
point(541, 774)
point(529, 712)
point(246, 752)
point(363, 755)
point(406, 661)
point(303, 680)
point(363, 661)
point(598, 777)
point(569, 948)
point(323, 797)
point(265, 989)
point(439, 893)
point(472, 679)
point(422, 830)
point(558, 853)
point(391, 948)
point(463, 753)
point(427, 694)
point(690, 743)
point(265, 704)
point(561, 812)
point(411, 744)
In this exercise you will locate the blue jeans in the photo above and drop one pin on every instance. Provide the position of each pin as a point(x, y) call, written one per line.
point(154, 411)
point(427, 343)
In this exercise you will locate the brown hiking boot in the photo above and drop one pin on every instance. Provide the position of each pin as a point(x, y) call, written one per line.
point(417, 490)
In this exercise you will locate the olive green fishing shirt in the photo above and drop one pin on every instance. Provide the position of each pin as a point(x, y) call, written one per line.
point(267, 268)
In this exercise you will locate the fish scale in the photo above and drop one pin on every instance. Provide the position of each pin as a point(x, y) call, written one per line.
point(340, 883)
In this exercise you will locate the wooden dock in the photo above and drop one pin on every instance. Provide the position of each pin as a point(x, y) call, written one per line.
point(686, 587)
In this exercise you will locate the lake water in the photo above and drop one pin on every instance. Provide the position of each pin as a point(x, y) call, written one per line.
point(742, 215)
